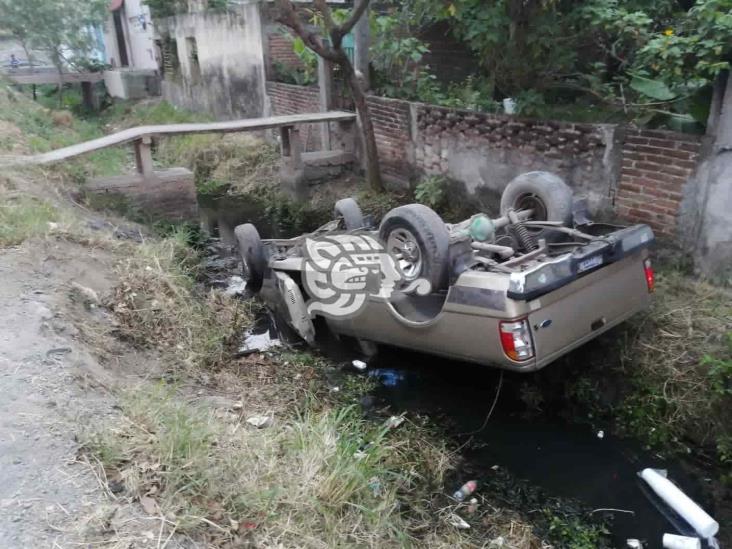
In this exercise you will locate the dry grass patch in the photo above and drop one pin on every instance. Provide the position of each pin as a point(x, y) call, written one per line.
point(679, 358)
point(157, 304)
point(301, 482)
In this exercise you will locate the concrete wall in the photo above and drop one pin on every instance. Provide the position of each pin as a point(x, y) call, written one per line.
point(138, 29)
point(228, 79)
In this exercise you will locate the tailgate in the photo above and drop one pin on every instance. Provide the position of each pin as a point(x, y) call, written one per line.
point(589, 304)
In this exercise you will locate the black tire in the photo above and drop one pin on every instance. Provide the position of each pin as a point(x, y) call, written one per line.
point(349, 210)
point(251, 252)
point(430, 234)
point(545, 193)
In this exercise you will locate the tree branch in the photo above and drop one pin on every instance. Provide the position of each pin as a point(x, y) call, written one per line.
point(356, 14)
point(288, 16)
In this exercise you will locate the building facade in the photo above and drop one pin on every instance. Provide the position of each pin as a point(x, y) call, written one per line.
point(130, 51)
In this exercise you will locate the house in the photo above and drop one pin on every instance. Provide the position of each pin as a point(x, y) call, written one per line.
point(213, 60)
point(130, 51)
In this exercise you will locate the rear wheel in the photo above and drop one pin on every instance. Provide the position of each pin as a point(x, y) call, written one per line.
point(251, 252)
point(348, 210)
point(545, 193)
point(416, 237)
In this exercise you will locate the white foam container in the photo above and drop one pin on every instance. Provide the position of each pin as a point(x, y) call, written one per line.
point(704, 525)
point(672, 541)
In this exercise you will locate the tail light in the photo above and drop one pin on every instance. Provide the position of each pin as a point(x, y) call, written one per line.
point(516, 339)
point(650, 277)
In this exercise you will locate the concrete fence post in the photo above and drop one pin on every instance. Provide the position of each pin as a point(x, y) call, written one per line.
point(143, 156)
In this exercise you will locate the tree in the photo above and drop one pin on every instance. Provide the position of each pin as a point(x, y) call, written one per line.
point(63, 29)
point(649, 57)
point(330, 48)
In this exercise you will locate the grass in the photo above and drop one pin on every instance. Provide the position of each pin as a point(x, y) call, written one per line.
point(300, 482)
point(679, 363)
point(24, 217)
point(234, 162)
point(157, 304)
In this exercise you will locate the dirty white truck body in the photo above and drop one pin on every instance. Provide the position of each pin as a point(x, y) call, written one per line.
point(520, 317)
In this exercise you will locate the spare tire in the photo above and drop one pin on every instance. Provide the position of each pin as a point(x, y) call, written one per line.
point(416, 237)
point(543, 192)
point(348, 210)
point(252, 255)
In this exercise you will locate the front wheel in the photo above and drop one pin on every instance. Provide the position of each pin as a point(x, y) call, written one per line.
point(416, 237)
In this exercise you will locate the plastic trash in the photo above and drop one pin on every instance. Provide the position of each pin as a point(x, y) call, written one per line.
point(237, 286)
point(600, 434)
point(465, 490)
point(260, 421)
point(387, 376)
point(360, 365)
point(633, 543)
point(672, 541)
point(704, 525)
point(393, 422)
point(457, 521)
point(509, 105)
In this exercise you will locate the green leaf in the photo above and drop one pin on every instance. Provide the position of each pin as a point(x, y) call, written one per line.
point(655, 89)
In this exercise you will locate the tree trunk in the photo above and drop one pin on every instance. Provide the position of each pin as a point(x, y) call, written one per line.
point(373, 169)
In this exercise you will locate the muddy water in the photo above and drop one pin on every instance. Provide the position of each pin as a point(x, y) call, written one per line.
point(563, 459)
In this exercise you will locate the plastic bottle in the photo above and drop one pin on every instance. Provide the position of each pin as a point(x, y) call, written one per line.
point(465, 490)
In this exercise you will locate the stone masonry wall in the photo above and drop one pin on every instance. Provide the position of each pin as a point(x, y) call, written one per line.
point(656, 165)
point(486, 151)
point(290, 99)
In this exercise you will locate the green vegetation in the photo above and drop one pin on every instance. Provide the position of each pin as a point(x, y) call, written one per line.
point(652, 61)
point(573, 533)
point(24, 217)
point(432, 191)
point(305, 73)
point(679, 366)
point(62, 29)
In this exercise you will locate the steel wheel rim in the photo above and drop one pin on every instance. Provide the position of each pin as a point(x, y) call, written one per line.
point(402, 245)
point(531, 201)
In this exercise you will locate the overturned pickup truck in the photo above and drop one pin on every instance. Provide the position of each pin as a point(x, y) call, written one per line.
point(514, 292)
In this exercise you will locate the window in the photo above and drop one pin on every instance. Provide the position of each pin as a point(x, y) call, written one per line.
point(169, 62)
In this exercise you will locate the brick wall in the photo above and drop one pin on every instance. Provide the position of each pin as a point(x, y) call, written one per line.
point(644, 169)
point(656, 165)
point(280, 50)
point(290, 99)
point(392, 131)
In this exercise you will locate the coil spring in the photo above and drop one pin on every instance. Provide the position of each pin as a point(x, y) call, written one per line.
point(525, 237)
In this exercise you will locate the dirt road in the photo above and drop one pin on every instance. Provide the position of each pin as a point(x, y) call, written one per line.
point(49, 390)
